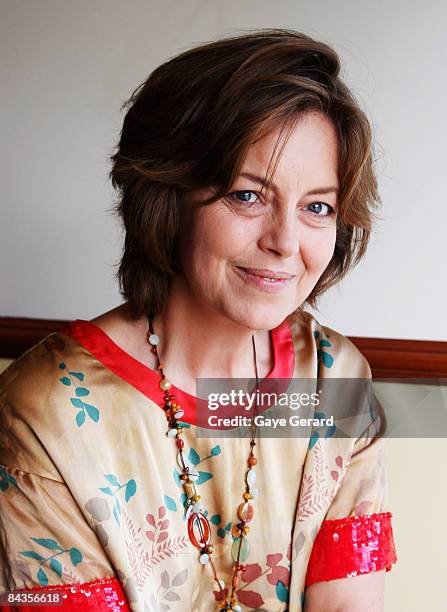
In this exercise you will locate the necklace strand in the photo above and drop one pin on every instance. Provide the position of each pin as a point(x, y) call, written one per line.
point(199, 529)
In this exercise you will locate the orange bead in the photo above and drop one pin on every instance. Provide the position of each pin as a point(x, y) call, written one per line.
point(235, 531)
point(252, 461)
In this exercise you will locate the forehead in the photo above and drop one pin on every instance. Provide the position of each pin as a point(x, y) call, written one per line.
point(309, 154)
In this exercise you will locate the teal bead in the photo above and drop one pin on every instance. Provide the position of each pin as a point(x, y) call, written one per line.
point(245, 549)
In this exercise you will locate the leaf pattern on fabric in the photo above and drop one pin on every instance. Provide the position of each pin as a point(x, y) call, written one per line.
point(222, 530)
point(143, 558)
point(167, 591)
point(323, 356)
point(85, 409)
point(6, 479)
point(130, 488)
point(55, 565)
point(315, 494)
point(278, 576)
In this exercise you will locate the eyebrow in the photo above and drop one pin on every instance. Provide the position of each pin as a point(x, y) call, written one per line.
point(262, 181)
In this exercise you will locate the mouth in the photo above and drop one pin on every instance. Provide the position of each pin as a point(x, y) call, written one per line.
point(271, 281)
point(268, 274)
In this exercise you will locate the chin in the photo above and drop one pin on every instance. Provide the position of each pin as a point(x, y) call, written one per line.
point(260, 319)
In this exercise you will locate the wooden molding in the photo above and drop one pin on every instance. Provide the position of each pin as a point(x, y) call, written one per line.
point(18, 334)
point(388, 357)
point(396, 358)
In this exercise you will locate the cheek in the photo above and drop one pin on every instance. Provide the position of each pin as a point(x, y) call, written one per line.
point(317, 250)
point(216, 238)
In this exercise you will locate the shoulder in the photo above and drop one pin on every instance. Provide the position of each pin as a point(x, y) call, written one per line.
point(328, 349)
point(39, 370)
point(32, 392)
point(31, 370)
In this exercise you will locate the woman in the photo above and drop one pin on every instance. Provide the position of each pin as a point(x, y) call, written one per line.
point(246, 187)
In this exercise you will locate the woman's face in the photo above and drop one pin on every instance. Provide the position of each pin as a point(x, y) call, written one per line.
point(231, 249)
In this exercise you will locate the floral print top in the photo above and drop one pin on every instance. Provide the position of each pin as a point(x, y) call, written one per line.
point(91, 499)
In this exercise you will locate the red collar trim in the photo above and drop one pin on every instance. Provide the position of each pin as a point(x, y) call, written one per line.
point(145, 380)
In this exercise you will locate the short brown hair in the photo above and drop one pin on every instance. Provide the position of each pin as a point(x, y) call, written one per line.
point(189, 126)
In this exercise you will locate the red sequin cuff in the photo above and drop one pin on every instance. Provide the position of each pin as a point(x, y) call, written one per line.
point(352, 546)
point(101, 595)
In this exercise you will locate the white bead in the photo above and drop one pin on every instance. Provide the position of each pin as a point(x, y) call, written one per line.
point(198, 507)
point(204, 559)
point(154, 339)
point(179, 413)
point(165, 384)
point(251, 477)
point(171, 433)
point(237, 608)
point(193, 475)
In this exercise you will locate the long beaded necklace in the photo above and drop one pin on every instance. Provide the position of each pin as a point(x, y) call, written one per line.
point(199, 529)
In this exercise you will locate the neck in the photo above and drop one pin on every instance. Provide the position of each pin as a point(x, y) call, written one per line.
point(199, 342)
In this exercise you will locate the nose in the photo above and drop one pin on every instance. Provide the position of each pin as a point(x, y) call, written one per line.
point(280, 233)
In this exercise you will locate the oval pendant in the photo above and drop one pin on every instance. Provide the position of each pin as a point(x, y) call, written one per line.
point(171, 433)
point(246, 512)
point(251, 477)
point(198, 522)
point(244, 551)
point(193, 475)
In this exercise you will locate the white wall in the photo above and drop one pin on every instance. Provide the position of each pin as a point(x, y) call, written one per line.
point(67, 67)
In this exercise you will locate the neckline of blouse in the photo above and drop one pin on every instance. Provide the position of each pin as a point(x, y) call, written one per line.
point(145, 380)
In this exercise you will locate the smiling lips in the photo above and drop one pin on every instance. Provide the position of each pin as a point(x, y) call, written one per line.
point(266, 280)
point(269, 274)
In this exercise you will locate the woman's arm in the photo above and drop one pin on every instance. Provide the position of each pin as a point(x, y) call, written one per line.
point(354, 545)
point(355, 594)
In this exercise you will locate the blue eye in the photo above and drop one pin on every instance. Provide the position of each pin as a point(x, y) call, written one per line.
point(248, 199)
point(319, 206)
point(245, 197)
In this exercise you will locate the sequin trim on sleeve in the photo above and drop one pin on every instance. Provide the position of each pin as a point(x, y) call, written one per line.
point(352, 546)
point(101, 595)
